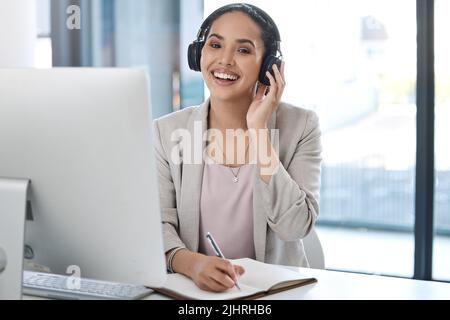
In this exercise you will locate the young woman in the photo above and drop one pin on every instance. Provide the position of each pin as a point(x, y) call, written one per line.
point(258, 198)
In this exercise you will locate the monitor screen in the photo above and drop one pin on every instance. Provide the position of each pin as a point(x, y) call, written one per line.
point(82, 136)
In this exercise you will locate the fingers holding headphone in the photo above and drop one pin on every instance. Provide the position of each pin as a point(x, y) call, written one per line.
point(277, 83)
point(279, 76)
point(273, 88)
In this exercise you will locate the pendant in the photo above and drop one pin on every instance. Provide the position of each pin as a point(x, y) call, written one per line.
point(235, 179)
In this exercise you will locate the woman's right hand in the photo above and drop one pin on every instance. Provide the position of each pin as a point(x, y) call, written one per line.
point(208, 273)
point(214, 274)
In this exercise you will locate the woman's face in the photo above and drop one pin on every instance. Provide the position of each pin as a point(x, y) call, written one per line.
point(232, 56)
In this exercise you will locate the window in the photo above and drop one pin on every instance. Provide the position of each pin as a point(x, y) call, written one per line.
point(43, 47)
point(143, 34)
point(140, 34)
point(441, 258)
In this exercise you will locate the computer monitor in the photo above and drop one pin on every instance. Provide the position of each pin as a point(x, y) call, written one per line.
point(83, 137)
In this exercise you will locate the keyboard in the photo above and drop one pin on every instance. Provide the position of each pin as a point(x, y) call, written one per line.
point(56, 286)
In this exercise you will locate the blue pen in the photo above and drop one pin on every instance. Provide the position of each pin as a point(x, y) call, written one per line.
point(218, 252)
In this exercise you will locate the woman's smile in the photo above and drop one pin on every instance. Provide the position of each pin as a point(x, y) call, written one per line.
point(223, 77)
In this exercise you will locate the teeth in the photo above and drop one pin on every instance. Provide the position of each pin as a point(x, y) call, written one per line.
point(225, 76)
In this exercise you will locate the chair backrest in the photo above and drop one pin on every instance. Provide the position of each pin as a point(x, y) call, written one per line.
point(314, 251)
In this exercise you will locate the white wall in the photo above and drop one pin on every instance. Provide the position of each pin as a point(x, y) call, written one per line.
point(17, 33)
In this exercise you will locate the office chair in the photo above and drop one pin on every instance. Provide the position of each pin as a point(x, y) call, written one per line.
point(314, 251)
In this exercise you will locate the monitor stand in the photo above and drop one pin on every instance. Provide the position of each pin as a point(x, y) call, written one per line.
point(13, 201)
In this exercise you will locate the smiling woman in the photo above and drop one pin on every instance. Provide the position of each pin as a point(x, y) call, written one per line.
point(260, 197)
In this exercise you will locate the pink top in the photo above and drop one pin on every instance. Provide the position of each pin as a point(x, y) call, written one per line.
point(226, 210)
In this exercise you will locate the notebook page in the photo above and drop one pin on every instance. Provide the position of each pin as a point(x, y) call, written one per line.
point(263, 275)
point(182, 285)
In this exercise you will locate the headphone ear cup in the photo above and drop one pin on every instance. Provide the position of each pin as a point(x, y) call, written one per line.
point(194, 55)
point(267, 64)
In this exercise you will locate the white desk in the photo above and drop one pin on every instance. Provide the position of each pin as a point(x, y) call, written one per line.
point(346, 285)
point(352, 286)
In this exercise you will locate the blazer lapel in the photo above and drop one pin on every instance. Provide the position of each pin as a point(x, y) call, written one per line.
point(192, 177)
point(259, 212)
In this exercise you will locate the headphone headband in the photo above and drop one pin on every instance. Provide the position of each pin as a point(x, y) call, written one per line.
point(249, 9)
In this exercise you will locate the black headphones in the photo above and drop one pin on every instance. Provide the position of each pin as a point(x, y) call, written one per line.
point(273, 53)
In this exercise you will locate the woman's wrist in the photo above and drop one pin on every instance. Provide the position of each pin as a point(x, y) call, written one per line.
point(183, 262)
point(169, 256)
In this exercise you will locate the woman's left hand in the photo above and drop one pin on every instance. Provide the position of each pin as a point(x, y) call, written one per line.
point(263, 106)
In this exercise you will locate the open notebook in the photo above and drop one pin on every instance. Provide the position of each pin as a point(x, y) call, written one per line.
point(259, 279)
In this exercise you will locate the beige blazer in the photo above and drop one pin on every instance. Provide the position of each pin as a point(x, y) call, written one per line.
point(284, 211)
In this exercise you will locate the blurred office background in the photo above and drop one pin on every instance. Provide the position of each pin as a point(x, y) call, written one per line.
point(352, 61)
